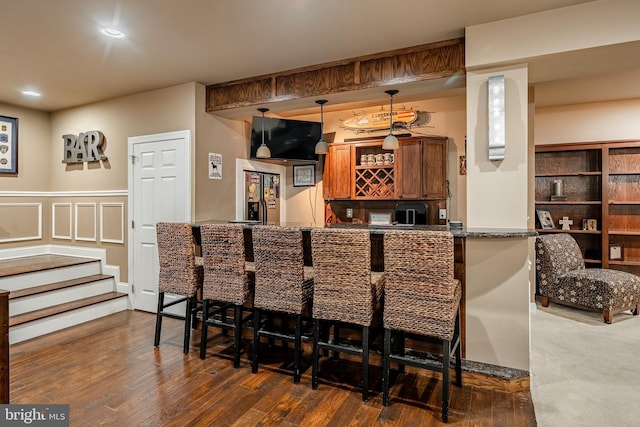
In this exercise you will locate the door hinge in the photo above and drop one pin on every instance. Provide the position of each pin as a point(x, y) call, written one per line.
point(133, 159)
point(133, 224)
point(132, 289)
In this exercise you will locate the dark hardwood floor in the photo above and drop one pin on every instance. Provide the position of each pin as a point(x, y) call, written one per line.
point(110, 373)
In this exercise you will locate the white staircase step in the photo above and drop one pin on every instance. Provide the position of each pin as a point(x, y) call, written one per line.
point(34, 324)
point(21, 273)
point(39, 297)
point(52, 292)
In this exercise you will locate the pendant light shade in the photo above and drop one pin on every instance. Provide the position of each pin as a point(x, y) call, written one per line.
point(263, 151)
point(322, 147)
point(390, 141)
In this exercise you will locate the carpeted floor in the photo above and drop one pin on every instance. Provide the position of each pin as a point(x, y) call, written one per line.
point(583, 371)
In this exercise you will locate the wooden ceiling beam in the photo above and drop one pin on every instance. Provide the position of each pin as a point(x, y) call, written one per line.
point(424, 62)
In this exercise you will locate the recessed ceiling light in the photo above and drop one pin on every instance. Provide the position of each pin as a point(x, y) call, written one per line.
point(112, 32)
point(31, 93)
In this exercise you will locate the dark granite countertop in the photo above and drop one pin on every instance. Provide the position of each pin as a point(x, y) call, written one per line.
point(471, 232)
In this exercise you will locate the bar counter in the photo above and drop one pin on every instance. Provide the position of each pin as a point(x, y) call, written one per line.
point(377, 247)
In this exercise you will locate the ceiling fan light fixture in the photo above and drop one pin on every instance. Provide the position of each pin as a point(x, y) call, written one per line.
point(322, 147)
point(263, 151)
point(390, 141)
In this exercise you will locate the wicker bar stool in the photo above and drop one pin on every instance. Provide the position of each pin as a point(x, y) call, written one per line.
point(283, 286)
point(422, 299)
point(180, 274)
point(228, 282)
point(346, 293)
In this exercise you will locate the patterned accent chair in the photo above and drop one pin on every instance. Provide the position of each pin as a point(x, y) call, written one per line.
point(562, 277)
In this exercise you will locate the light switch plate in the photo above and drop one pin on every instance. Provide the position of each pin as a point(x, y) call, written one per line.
point(442, 214)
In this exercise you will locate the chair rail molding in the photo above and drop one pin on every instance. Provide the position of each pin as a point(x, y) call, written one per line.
point(81, 193)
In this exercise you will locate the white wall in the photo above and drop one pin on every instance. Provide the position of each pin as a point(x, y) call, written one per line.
point(583, 26)
point(601, 121)
point(497, 270)
point(496, 190)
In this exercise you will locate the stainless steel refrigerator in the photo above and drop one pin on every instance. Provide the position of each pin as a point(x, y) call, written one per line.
point(262, 197)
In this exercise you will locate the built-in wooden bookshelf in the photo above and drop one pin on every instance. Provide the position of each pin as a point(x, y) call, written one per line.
point(600, 181)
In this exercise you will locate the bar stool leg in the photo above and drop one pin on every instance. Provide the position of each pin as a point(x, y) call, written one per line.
point(156, 340)
point(458, 351)
point(194, 312)
point(187, 325)
point(386, 355)
point(365, 363)
point(446, 361)
point(256, 340)
point(297, 349)
point(237, 335)
point(316, 354)
point(203, 334)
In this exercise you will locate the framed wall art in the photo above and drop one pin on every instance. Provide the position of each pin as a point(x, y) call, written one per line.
point(545, 220)
point(8, 145)
point(616, 252)
point(304, 175)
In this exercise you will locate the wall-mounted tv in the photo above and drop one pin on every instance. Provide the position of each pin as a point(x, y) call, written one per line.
point(287, 139)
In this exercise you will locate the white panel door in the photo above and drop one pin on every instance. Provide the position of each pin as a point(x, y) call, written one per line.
point(160, 190)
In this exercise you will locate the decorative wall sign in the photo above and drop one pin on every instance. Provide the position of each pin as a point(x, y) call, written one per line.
point(86, 147)
point(379, 120)
point(215, 166)
point(8, 145)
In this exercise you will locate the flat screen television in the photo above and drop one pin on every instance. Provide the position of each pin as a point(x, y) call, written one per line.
point(287, 139)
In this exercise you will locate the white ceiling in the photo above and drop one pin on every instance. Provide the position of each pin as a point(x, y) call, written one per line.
point(55, 47)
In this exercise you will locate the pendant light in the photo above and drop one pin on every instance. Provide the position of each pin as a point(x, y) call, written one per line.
point(263, 151)
point(390, 142)
point(322, 147)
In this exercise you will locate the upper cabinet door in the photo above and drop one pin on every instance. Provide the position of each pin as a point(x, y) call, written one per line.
point(434, 168)
point(340, 171)
point(409, 170)
point(422, 169)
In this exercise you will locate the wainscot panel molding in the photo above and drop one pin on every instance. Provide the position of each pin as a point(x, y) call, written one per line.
point(61, 221)
point(85, 221)
point(30, 224)
point(112, 214)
